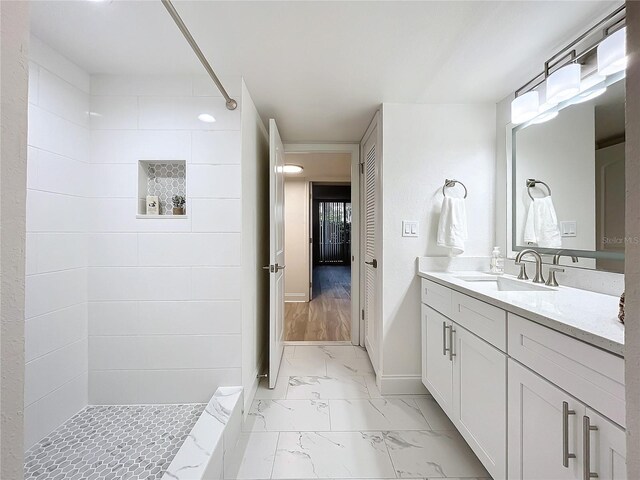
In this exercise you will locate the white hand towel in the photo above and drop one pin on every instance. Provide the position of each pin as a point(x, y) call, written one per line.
point(541, 227)
point(452, 228)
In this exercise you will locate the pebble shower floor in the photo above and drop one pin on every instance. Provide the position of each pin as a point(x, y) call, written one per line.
point(113, 442)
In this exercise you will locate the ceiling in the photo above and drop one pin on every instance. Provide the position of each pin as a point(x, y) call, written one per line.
point(321, 166)
point(322, 68)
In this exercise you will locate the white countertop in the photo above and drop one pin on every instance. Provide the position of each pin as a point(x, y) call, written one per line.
point(587, 316)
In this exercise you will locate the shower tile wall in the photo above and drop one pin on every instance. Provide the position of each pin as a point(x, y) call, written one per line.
point(164, 294)
point(56, 252)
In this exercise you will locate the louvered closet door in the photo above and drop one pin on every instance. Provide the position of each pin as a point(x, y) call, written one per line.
point(371, 263)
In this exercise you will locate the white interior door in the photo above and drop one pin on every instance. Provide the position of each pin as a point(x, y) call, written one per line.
point(370, 265)
point(276, 252)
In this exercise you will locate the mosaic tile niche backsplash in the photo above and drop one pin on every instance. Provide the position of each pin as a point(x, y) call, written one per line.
point(166, 180)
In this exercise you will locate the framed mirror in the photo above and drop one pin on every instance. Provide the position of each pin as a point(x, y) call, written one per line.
point(568, 180)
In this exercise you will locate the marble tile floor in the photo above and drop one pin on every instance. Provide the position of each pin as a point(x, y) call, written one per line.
point(132, 442)
point(326, 419)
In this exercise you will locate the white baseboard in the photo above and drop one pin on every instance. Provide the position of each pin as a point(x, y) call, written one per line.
point(402, 385)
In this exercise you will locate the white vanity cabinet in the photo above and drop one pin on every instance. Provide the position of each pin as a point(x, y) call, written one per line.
point(467, 377)
point(532, 403)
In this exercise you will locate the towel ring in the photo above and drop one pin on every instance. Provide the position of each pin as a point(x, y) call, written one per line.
point(532, 182)
point(451, 183)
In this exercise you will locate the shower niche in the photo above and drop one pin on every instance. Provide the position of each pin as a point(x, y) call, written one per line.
point(163, 179)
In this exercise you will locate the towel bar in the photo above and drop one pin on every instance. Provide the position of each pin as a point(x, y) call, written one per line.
point(532, 182)
point(451, 183)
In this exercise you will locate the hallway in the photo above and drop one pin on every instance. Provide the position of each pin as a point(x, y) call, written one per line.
point(327, 419)
point(327, 317)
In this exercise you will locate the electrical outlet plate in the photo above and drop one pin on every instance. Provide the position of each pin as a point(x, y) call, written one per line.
point(410, 228)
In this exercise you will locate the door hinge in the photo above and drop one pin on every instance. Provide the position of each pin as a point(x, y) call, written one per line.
point(363, 314)
point(310, 239)
point(362, 168)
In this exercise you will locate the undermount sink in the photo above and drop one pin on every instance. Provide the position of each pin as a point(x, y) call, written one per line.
point(505, 284)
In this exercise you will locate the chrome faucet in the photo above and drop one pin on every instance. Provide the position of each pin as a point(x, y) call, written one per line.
point(538, 278)
point(551, 281)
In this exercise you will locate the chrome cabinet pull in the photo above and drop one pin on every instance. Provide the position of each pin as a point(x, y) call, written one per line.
point(451, 333)
point(587, 428)
point(565, 434)
point(444, 338)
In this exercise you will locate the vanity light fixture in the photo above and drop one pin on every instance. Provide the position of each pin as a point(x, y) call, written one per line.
point(290, 168)
point(545, 116)
point(205, 117)
point(524, 107)
point(589, 90)
point(612, 53)
point(563, 84)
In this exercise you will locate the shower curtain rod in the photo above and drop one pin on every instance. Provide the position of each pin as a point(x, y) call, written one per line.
point(231, 103)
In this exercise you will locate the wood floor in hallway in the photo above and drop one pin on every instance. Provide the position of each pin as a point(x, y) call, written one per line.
point(328, 316)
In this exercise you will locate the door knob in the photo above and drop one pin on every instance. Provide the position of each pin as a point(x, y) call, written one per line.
point(373, 263)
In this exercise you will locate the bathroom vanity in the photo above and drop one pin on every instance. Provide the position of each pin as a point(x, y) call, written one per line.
point(532, 376)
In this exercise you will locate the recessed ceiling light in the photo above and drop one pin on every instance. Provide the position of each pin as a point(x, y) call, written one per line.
point(292, 169)
point(205, 117)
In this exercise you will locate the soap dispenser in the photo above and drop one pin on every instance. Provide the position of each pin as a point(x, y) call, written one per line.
point(497, 262)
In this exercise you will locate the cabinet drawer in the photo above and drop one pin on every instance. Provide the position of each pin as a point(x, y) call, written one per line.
point(437, 297)
point(593, 376)
point(486, 321)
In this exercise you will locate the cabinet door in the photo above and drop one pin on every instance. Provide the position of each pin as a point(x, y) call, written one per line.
point(537, 436)
point(437, 370)
point(480, 399)
point(607, 455)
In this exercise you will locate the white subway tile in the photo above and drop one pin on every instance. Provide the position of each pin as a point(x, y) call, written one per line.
point(216, 283)
point(31, 254)
point(129, 146)
point(47, 292)
point(61, 251)
point(113, 249)
point(113, 180)
point(55, 330)
point(139, 283)
point(214, 181)
point(113, 318)
point(116, 353)
point(119, 215)
point(141, 85)
point(34, 73)
point(114, 113)
point(48, 413)
point(54, 212)
point(45, 56)
point(190, 249)
point(190, 318)
point(115, 387)
point(186, 386)
point(221, 148)
point(204, 87)
point(56, 173)
point(181, 113)
point(50, 132)
point(47, 373)
point(62, 98)
point(216, 215)
point(190, 351)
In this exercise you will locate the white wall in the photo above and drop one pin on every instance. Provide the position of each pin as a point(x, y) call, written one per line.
point(296, 234)
point(561, 152)
point(423, 145)
point(165, 313)
point(56, 252)
point(14, 46)
point(632, 254)
point(255, 245)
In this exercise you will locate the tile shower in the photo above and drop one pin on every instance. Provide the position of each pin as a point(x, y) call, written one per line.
point(132, 324)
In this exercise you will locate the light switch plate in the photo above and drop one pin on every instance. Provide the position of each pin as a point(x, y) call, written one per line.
point(410, 228)
point(568, 228)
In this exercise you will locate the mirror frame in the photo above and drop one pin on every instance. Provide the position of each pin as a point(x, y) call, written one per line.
point(512, 191)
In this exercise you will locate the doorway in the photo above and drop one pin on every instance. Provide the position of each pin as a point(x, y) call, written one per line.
point(319, 247)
